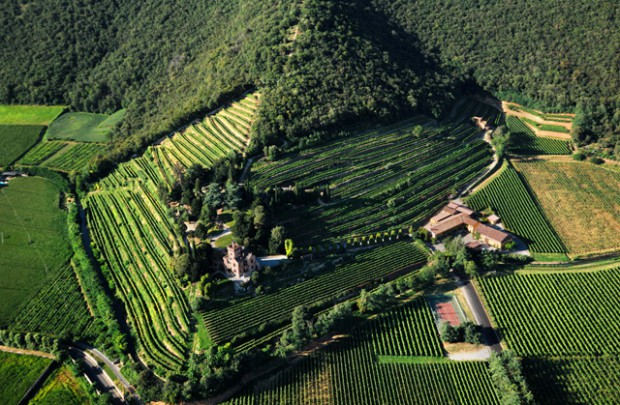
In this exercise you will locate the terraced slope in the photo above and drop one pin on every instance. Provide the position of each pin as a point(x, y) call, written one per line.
point(379, 180)
point(137, 238)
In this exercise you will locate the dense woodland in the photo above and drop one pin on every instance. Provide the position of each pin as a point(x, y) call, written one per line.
point(320, 64)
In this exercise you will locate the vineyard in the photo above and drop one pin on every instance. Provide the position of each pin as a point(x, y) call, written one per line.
point(564, 325)
point(276, 307)
point(558, 314)
point(508, 196)
point(29, 114)
point(206, 141)
point(348, 372)
point(61, 155)
point(34, 245)
point(137, 236)
point(574, 380)
point(21, 371)
point(15, 140)
point(379, 180)
point(523, 141)
point(58, 309)
point(581, 201)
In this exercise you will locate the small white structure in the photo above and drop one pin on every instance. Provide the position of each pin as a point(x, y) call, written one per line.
point(493, 219)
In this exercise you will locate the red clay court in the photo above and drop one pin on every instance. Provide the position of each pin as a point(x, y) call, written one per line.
point(444, 309)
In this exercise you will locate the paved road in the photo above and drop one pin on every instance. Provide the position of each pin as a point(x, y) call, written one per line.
point(102, 381)
point(102, 357)
point(480, 315)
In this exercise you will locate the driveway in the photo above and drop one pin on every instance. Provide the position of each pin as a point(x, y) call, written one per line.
point(480, 315)
point(97, 375)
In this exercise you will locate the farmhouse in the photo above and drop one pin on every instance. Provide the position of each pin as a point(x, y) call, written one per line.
point(455, 217)
point(238, 261)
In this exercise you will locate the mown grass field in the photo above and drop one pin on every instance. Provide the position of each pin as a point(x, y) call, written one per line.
point(34, 244)
point(15, 140)
point(17, 373)
point(84, 127)
point(564, 325)
point(508, 196)
point(581, 200)
point(62, 388)
point(350, 371)
point(383, 179)
point(29, 114)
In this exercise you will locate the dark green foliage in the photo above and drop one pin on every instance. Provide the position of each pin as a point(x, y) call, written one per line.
point(546, 54)
point(507, 377)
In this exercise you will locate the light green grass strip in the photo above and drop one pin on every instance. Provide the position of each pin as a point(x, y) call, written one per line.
point(29, 114)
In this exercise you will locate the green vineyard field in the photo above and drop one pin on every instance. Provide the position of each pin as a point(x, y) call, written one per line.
point(523, 141)
point(225, 323)
point(509, 197)
point(382, 179)
point(348, 372)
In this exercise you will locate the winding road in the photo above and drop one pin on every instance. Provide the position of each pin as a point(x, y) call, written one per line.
point(104, 383)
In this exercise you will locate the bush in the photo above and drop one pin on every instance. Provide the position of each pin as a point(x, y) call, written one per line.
point(596, 160)
point(579, 156)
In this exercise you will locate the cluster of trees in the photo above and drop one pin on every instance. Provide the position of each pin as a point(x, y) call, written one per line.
point(30, 341)
point(507, 376)
point(108, 335)
point(303, 329)
point(467, 332)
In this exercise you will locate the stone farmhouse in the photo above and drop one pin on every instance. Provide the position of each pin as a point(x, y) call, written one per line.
point(455, 217)
point(238, 261)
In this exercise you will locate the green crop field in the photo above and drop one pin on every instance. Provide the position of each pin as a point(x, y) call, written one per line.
point(564, 325)
point(84, 127)
point(381, 179)
point(34, 244)
point(225, 323)
point(29, 114)
point(133, 231)
point(62, 388)
point(524, 142)
point(558, 314)
point(61, 155)
point(349, 372)
point(580, 380)
point(509, 197)
point(58, 309)
point(17, 373)
point(15, 140)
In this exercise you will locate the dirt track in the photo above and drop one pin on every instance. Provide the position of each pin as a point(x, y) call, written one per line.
point(522, 114)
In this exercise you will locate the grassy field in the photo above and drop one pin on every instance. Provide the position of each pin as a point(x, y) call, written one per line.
point(84, 127)
point(62, 388)
point(28, 114)
point(17, 373)
point(350, 371)
point(508, 196)
point(34, 243)
point(564, 325)
point(581, 200)
point(383, 179)
point(15, 140)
